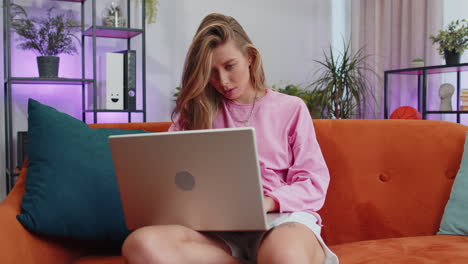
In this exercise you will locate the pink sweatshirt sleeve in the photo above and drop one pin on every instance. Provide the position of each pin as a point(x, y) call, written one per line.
point(308, 177)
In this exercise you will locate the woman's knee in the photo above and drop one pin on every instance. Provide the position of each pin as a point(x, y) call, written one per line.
point(153, 244)
point(279, 255)
point(290, 255)
point(281, 247)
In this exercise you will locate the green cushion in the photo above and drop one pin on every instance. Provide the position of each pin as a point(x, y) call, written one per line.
point(71, 189)
point(455, 218)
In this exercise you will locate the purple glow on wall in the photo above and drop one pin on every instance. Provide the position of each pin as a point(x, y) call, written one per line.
point(114, 117)
point(65, 98)
point(403, 91)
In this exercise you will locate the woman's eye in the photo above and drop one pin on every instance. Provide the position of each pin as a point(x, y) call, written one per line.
point(229, 66)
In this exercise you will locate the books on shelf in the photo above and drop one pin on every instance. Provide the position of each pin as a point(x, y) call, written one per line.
point(129, 71)
point(21, 148)
point(464, 100)
point(110, 88)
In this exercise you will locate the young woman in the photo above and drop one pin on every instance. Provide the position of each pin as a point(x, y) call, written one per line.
point(223, 85)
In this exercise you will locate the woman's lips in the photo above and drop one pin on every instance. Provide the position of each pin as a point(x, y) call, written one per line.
point(229, 92)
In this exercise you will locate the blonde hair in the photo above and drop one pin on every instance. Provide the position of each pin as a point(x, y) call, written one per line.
point(198, 101)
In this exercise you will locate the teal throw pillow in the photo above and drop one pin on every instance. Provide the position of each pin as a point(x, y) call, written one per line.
point(455, 218)
point(71, 190)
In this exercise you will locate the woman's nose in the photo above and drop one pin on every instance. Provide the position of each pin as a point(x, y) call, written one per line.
point(223, 79)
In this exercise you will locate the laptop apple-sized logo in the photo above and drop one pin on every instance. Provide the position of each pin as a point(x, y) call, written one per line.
point(185, 180)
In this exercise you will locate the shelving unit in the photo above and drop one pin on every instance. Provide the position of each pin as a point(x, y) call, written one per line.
point(422, 74)
point(93, 32)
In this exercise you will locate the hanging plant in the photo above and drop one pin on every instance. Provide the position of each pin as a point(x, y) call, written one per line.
point(151, 11)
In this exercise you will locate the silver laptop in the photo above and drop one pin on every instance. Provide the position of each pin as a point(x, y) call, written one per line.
point(208, 180)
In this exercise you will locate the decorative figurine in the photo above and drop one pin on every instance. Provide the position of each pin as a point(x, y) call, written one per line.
point(446, 91)
point(113, 16)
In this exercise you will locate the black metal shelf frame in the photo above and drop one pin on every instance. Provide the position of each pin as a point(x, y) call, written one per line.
point(108, 32)
point(422, 73)
point(57, 81)
point(127, 33)
point(94, 32)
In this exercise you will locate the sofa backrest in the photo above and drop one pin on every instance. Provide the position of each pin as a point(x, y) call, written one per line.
point(149, 126)
point(389, 178)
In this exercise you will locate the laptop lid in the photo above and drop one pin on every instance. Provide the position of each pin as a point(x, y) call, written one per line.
point(208, 180)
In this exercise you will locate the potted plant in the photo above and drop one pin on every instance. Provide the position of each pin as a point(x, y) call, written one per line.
point(417, 63)
point(342, 83)
point(452, 41)
point(113, 15)
point(49, 36)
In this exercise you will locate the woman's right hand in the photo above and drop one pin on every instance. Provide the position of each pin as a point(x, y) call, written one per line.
point(270, 205)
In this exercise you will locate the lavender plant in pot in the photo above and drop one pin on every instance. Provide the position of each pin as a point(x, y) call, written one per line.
point(48, 36)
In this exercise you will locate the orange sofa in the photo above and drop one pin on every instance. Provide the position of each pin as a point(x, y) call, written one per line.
point(390, 181)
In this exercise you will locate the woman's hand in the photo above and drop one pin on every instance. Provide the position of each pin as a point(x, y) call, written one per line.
point(270, 205)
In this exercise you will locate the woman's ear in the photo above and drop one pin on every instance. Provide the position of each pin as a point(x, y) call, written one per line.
point(250, 59)
point(250, 55)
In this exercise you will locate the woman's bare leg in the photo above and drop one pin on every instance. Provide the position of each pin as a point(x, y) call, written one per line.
point(175, 244)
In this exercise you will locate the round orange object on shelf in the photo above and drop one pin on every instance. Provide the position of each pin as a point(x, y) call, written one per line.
point(406, 112)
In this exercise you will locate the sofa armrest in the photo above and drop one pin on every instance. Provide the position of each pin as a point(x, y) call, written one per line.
point(18, 245)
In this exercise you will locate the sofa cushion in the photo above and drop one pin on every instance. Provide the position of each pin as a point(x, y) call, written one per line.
point(71, 190)
point(414, 250)
point(455, 218)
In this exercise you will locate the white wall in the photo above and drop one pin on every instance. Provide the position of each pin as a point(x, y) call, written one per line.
point(341, 22)
point(289, 34)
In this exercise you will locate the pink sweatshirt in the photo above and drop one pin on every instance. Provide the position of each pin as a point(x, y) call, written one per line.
point(294, 172)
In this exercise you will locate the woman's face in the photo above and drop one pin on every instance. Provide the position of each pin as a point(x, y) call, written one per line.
point(230, 73)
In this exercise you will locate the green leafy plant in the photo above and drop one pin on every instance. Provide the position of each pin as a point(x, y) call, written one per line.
point(151, 11)
point(309, 97)
point(417, 63)
point(342, 83)
point(454, 38)
point(176, 93)
point(49, 36)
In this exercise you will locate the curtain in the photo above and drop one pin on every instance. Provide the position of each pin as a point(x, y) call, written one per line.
point(393, 33)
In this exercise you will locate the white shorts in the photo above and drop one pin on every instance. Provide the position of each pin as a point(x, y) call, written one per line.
point(244, 245)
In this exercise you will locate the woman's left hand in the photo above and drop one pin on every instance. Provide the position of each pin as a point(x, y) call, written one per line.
point(270, 205)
